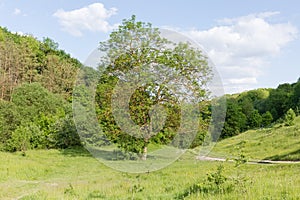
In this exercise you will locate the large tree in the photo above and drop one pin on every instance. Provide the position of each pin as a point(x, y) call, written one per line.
point(235, 120)
point(145, 82)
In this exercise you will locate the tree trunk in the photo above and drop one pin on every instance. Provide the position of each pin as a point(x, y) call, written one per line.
point(144, 154)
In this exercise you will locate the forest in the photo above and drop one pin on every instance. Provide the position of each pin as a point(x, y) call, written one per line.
point(35, 93)
point(261, 108)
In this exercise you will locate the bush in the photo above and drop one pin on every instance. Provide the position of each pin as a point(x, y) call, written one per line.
point(26, 136)
point(36, 118)
point(45, 132)
point(65, 134)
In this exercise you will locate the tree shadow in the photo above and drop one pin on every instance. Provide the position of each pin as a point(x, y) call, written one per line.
point(108, 155)
point(75, 152)
point(293, 156)
point(116, 155)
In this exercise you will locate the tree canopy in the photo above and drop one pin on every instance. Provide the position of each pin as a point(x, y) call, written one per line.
point(24, 59)
point(146, 80)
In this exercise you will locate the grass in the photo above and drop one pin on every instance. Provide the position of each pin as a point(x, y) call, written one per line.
point(158, 157)
point(74, 174)
point(277, 143)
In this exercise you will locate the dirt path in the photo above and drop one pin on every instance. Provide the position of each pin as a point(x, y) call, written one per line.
point(208, 158)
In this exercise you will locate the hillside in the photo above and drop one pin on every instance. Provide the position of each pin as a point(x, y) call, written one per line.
point(36, 85)
point(277, 143)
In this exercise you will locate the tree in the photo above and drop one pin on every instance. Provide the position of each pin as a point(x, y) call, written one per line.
point(84, 112)
point(24, 59)
point(48, 45)
point(235, 120)
point(253, 99)
point(296, 97)
point(247, 106)
point(9, 120)
point(289, 117)
point(140, 67)
point(267, 118)
point(278, 102)
point(254, 120)
point(32, 100)
point(65, 134)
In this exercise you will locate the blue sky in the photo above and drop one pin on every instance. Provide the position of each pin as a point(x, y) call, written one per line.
point(252, 43)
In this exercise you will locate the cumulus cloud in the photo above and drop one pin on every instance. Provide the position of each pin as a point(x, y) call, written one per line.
point(91, 18)
point(241, 47)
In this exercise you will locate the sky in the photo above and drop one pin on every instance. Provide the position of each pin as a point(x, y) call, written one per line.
point(253, 44)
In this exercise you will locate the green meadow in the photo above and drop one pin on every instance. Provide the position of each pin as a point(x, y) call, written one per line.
point(74, 174)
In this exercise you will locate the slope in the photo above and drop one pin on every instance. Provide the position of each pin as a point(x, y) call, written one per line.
point(277, 143)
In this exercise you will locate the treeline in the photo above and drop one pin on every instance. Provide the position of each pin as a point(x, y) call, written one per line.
point(24, 59)
point(261, 108)
point(36, 85)
point(36, 81)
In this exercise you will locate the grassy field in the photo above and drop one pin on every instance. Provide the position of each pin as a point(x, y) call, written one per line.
point(277, 143)
point(74, 174)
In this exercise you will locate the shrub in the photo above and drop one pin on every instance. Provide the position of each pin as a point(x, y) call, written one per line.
point(65, 133)
point(26, 136)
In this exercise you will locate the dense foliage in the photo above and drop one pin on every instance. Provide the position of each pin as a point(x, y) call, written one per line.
point(24, 59)
point(261, 108)
point(36, 87)
point(36, 81)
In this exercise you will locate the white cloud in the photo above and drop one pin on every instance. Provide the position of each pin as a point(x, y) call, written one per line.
point(17, 11)
point(91, 18)
point(241, 47)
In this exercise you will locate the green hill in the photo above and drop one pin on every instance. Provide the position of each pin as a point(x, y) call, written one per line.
point(277, 143)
